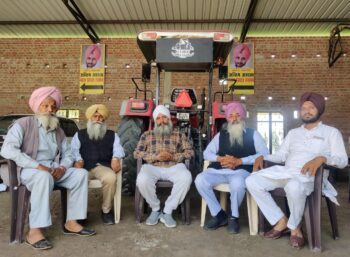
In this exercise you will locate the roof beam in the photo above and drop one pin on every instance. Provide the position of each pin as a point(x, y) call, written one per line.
point(80, 18)
point(248, 19)
point(209, 21)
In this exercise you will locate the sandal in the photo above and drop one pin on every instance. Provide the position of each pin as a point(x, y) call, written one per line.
point(296, 242)
point(274, 234)
point(42, 244)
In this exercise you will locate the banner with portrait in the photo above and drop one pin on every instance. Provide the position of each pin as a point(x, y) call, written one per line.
point(92, 69)
point(241, 68)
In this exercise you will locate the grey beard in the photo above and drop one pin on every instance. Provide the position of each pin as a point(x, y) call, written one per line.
point(96, 131)
point(164, 129)
point(48, 120)
point(236, 133)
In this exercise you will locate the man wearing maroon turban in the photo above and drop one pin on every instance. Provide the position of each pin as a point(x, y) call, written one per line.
point(39, 147)
point(232, 153)
point(303, 151)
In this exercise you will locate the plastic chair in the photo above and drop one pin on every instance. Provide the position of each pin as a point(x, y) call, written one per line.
point(95, 183)
point(20, 197)
point(224, 190)
point(312, 212)
point(139, 200)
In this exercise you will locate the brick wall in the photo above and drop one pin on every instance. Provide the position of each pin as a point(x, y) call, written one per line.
point(22, 69)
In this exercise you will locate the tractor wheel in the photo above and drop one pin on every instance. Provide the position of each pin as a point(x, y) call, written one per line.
point(129, 132)
point(196, 164)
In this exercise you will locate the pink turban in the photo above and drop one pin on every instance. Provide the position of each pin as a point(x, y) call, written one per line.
point(161, 109)
point(237, 107)
point(316, 99)
point(93, 51)
point(242, 49)
point(41, 93)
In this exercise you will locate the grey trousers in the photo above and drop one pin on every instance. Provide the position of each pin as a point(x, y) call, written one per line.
point(178, 174)
point(41, 184)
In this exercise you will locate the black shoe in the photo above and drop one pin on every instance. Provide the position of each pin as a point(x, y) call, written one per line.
point(219, 220)
point(233, 225)
point(108, 218)
point(83, 232)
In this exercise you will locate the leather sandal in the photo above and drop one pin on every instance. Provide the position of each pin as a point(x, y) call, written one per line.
point(42, 244)
point(296, 242)
point(274, 234)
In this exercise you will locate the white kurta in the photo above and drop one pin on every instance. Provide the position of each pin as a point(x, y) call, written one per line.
point(300, 146)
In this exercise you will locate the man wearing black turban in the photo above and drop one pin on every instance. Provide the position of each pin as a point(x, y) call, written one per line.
point(303, 151)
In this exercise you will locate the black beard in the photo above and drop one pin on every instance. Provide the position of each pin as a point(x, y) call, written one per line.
point(311, 120)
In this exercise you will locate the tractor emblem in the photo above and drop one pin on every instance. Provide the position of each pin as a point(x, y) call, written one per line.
point(183, 49)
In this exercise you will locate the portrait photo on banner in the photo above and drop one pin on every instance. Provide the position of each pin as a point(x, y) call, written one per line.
point(242, 56)
point(92, 56)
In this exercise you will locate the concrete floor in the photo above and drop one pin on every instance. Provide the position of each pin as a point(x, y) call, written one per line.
point(130, 239)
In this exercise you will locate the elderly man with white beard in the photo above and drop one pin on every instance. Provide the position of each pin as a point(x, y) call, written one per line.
point(164, 150)
point(98, 150)
point(232, 153)
point(39, 147)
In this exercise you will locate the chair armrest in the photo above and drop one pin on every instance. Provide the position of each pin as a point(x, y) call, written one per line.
point(12, 172)
point(270, 163)
point(187, 164)
point(139, 165)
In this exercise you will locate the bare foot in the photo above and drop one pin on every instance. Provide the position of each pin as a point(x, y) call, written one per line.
point(34, 235)
point(281, 224)
point(296, 232)
point(73, 225)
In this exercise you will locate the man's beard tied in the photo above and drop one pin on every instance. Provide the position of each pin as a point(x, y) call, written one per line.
point(96, 130)
point(235, 132)
point(48, 120)
point(163, 129)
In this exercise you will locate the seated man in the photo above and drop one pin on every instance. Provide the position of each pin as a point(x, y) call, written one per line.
point(303, 150)
point(98, 150)
point(164, 151)
point(232, 153)
point(39, 147)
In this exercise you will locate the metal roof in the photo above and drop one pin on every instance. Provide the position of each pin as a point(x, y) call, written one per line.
point(125, 18)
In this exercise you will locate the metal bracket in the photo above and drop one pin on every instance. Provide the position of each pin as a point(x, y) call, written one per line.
point(79, 16)
point(335, 49)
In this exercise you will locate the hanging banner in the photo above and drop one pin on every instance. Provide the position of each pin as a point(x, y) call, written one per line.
point(92, 69)
point(241, 68)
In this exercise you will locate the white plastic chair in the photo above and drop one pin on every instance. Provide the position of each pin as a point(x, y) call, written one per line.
point(95, 183)
point(251, 205)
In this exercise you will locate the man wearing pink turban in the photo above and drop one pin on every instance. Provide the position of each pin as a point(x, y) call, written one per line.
point(39, 147)
point(232, 153)
point(241, 55)
point(303, 151)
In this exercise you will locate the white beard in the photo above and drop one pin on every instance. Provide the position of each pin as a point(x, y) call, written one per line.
point(236, 133)
point(48, 120)
point(95, 130)
point(164, 129)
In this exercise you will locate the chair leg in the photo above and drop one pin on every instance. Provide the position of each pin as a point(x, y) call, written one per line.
point(308, 216)
point(138, 206)
point(183, 212)
point(333, 218)
point(223, 200)
point(14, 207)
point(261, 222)
point(252, 208)
point(315, 210)
point(187, 209)
point(118, 198)
point(203, 212)
point(22, 213)
point(63, 206)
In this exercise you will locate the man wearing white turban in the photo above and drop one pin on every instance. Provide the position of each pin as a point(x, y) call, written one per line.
point(98, 150)
point(163, 149)
point(39, 147)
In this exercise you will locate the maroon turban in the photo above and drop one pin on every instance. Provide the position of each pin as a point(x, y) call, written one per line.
point(316, 99)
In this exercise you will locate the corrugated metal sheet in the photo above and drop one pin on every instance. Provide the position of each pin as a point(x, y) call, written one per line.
point(124, 18)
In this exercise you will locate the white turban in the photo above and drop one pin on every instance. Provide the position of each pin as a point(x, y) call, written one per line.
point(161, 109)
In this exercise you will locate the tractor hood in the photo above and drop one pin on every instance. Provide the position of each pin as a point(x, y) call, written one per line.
point(185, 50)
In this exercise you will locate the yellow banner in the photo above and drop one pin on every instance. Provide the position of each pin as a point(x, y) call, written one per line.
point(241, 69)
point(92, 69)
